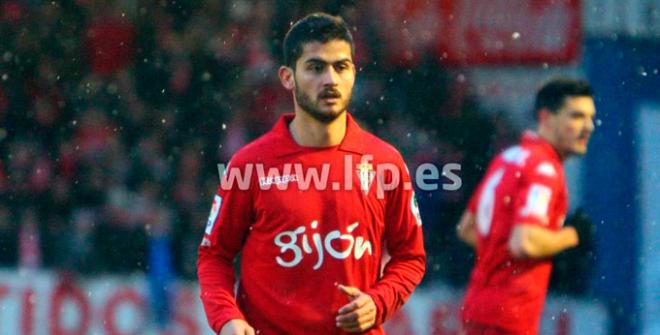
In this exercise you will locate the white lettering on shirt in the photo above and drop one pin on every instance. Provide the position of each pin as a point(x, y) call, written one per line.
point(277, 180)
point(291, 253)
point(538, 201)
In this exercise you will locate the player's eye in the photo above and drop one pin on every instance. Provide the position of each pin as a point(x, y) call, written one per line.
point(341, 67)
point(577, 116)
point(316, 67)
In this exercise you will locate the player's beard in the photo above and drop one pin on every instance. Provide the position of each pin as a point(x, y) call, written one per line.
point(311, 107)
point(570, 146)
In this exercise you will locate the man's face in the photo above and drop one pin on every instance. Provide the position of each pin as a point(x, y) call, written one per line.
point(573, 124)
point(324, 78)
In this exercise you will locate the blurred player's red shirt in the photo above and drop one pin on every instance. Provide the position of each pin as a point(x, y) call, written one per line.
point(524, 184)
point(298, 245)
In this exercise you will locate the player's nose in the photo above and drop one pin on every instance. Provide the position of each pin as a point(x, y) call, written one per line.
point(330, 77)
point(589, 127)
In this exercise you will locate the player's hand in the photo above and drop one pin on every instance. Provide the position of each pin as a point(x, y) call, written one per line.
point(236, 327)
point(359, 314)
point(582, 225)
point(573, 236)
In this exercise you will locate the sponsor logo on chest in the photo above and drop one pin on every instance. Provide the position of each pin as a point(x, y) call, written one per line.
point(295, 244)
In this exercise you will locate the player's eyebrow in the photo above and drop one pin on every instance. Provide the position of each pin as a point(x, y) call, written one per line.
point(322, 61)
point(576, 113)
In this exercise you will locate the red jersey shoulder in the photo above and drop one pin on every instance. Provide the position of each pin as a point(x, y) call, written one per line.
point(256, 151)
point(240, 170)
point(382, 150)
point(542, 185)
point(542, 166)
point(533, 161)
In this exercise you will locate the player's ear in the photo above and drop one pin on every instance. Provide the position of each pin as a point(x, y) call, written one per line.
point(543, 115)
point(286, 77)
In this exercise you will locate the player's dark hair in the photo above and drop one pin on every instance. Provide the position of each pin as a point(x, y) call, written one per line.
point(553, 93)
point(315, 27)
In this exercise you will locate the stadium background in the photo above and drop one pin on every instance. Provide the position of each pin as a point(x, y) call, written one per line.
point(114, 116)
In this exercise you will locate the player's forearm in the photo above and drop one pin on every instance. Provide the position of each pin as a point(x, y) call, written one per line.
point(216, 281)
point(400, 278)
point(469, 236)
point(465, 230)
point(537, 242)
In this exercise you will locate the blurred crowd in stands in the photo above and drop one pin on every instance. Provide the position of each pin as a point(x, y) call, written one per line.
point(113, 118)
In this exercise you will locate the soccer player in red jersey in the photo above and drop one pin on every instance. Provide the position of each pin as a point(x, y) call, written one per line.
point(515, 217)
point(312, 257)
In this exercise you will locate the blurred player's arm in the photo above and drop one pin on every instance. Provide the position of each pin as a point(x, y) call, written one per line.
point(467, 226)
point(466, 229)
point(226, 230)
point(533, 241)
point(531, 235)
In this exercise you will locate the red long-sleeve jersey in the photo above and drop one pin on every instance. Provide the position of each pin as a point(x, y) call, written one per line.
point(299, 239)
point(523, 185)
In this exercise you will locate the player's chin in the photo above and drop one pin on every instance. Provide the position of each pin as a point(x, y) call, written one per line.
point(579, 150)
point(326, 115)
point(333, 110)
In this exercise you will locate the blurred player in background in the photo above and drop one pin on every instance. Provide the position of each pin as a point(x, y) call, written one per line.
point(311, 258)
point(515, 218)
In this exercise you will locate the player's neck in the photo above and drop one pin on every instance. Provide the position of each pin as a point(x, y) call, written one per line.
point(310, 132)
point(548, 136)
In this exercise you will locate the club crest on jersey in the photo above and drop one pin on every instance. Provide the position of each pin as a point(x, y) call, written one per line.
point(366, 174)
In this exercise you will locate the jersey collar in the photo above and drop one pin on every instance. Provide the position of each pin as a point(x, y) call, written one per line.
point(352, 141)
point(533, 138)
